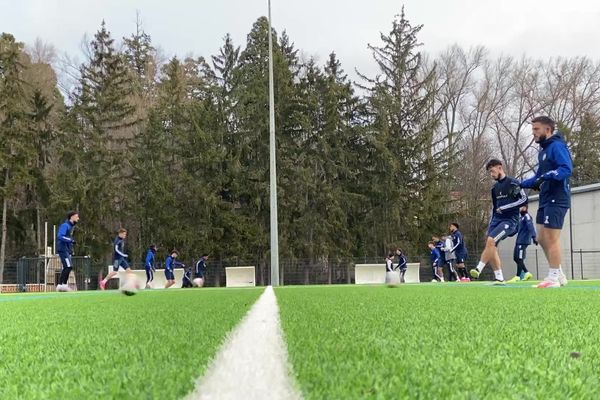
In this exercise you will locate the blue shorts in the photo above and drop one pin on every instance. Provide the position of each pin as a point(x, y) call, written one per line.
point(169, 275)
point(552, 217)
point(121, 262)
point(501, 229)
point(520, 252)
point(461, 258)
point(65, 259)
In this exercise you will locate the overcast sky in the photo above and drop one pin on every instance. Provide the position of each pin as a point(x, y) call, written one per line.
point(317, 27)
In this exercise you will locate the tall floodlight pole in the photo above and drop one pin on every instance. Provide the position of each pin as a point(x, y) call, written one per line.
point(272, 169)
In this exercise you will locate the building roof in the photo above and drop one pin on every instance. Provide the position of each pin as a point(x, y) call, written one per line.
point(594, 187)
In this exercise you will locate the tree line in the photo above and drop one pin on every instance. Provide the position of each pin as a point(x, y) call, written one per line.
point(176, 150)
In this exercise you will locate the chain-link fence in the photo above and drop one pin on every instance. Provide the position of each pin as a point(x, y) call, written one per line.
point(38, 274)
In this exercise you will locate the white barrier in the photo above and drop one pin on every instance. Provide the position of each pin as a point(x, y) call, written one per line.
point(240, 276)
point(159, 277)
point(376, 274)
point(369, 274)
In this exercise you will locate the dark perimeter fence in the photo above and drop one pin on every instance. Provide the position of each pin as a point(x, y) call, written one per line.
point(39, 274)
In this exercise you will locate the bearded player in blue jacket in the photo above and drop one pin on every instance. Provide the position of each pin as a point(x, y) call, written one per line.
point(552, 180)
point(507, 198)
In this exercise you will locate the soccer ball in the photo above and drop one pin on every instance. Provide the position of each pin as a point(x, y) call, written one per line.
point(130, 286)
point(198, 282)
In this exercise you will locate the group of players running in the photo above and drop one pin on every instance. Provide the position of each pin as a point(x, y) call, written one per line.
point(510, 216)
point(65, 243)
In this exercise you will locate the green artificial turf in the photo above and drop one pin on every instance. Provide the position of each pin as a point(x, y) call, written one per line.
point(429, 341)
point(104, 345)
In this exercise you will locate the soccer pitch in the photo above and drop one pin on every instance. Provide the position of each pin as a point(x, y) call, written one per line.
point(415, 341)
point(468, 341)
point(101, 345)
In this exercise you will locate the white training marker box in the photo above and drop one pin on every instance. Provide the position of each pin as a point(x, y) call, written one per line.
point(240, 276)
point(365, 274)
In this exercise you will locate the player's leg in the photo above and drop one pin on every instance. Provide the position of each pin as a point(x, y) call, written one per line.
point(67, 266)
point(517, 258)
point(111, 274)
point(488, 253)
point(553, 219)
point(526, 274)
point(149, 277)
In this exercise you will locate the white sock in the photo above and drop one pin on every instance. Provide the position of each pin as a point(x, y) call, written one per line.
point(480, 266)
point(553, 273)
point(499, 275)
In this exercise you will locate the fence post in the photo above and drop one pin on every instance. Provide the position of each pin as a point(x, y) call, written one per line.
point(581, 262)
point(537, 267)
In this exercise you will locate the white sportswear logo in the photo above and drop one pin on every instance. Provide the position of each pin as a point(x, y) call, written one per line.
point(547, 220)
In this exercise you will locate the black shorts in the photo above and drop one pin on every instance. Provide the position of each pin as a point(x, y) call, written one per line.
point(520, 252)
point(169, 275)
point(552, 217)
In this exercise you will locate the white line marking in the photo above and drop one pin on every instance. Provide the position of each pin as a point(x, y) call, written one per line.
point(252, 363)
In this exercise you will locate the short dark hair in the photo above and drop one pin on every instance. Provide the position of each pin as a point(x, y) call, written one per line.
point(545, 120)
point(71, 213)
point(455, 224)
point(390, 255)
point(430, 242)
point(205, 255)
point(492, 163)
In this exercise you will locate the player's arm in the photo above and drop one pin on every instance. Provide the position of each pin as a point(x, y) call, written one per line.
point(518, 194)
point(118, 250)
point(564, 169)
point(531, 228)
point(63, 230)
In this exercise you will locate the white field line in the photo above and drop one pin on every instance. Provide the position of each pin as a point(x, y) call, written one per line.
point(252, 363)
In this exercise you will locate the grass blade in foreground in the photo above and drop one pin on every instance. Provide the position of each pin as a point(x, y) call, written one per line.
point(106, 345)
point(444, 341)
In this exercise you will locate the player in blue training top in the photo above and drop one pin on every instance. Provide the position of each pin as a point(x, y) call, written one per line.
point(149, 265)
point(119, 257)
point(200, 270)
point(460, 249)
point(525, 236)
point(552, 180)
point(402, 264)
point(436, 262)
point(170, 264)
point(507, 199)
point(64, 249)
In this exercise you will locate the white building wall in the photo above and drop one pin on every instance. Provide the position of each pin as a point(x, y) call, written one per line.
point(585, 212)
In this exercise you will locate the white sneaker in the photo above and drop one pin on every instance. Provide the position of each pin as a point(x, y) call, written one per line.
point(548, 283)
point(562, 278)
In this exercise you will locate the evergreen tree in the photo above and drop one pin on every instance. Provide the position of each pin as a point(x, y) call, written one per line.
point(17, 153)
point(402, 155)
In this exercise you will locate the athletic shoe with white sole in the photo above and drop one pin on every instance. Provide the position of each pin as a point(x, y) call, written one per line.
point(548, 283)
point(562, 278)
point(498, 282)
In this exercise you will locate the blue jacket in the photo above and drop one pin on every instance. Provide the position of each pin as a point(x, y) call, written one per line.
point(526, 230)
point(149, 259)
point(439, 245)
point(171, 263)
point(508, 197)
point(458, 244)
point(118, 249)
point(402, 262)
point(555, 167)
point(200, 267)
point(436, 257)
point(64, 237)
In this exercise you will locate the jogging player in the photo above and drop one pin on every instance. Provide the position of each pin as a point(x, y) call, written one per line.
point(525, 236)
point(64, 248)
point(507, 198)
